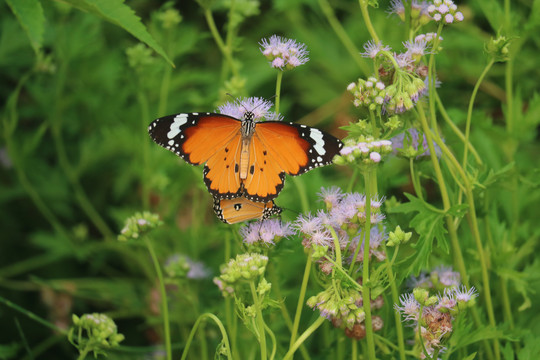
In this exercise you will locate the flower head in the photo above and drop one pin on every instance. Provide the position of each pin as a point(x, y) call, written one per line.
point(372, 49)
point(266, 232)
point(139, 224)
point(284, 53)
point(445, 11)
point(258, 106)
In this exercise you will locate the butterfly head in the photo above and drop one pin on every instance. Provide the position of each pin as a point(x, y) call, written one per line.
point(249, 115)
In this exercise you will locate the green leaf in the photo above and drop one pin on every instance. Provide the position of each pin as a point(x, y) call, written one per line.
point(118, 13)
point(29, 13)
point(429, 225)
point(470, 357)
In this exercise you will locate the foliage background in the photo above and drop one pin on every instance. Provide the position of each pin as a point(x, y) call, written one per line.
point(79, 160)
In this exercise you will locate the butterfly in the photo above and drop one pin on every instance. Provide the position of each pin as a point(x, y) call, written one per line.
point(232, 211)
point(244, 157)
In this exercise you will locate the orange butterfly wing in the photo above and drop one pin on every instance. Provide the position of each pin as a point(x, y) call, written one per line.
point(213, 139)
point(232, 211)
point(279, 148)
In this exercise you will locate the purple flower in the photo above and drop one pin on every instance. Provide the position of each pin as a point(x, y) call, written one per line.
point(265, 231)
point(447, 276)
point(416, 49)
point(284, 53)
point(331, 196)
point(463, 295)
point(258, 106)
point(308, 224)
point(410, 308)
point(410, 138)
point(372, 49)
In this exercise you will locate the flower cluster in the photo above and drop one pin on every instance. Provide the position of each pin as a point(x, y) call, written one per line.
point(407, 144)
point(445, 11)
point(434, 314)
point(139, 224)
point(267, 232)
point(256, 105)
point(245, 267)
point(366, 151)
point(284, 54)
point(419, 12)
point(440, 279)
point(346, 214)
point(180, 266)
point(100, 331)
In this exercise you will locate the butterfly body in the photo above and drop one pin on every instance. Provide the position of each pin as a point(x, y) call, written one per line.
point(244, 157)
point(232, 211)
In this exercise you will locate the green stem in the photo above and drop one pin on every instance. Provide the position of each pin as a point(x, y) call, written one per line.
point(473, 224)
point(83, 353)
point(395, 300)
point(260, 320)
point(32, 316)
point(343, 36)
point(415, 181)
point(458, 255)
point(145, 142)
point(455, 129)
point(274, 343)
point(299, 183)
point(164, 306)
point(300, 305)
point(352, 180)
point(469, 111)
point(365, 269)
point(226, 51)
point(278, 89)
point(303, 338)
point(194, 330)
point(365, 15)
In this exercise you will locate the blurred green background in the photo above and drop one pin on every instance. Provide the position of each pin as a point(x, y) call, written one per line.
point(76, 159)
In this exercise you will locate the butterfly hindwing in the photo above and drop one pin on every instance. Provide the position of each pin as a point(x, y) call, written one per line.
point(232, 211)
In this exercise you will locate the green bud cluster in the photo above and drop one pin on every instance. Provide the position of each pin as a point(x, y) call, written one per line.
point(169, 18)
point(339, 307)
point(139, 56)
point(398, 237)
point(99, 330)
point(368, 93)
point(245, 267)
point(404, 92)
point(138, 224)
point(177, 267)
point(497, 48)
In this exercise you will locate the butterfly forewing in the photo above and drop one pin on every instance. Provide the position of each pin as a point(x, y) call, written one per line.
point(195, 137)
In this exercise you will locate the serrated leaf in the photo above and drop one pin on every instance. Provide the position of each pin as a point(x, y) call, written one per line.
point(29, 13)
point(429, 225)
point(120, 14)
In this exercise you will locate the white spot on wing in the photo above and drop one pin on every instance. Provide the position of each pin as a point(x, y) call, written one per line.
point(317, 136)
point(178, 121)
